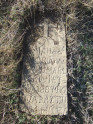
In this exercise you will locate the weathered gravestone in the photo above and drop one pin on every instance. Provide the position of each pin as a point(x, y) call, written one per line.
point(44, 78)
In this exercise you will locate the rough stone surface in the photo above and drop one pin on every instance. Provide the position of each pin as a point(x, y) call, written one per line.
point(44, 78)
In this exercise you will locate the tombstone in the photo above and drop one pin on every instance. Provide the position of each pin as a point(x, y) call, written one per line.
point(44, 75)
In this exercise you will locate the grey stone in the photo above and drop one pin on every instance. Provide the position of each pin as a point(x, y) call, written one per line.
point(44, 77)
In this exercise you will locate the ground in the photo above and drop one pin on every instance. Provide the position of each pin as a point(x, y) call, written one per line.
point(15, 18)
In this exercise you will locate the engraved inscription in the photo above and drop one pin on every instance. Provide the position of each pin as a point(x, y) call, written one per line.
point(44, 77)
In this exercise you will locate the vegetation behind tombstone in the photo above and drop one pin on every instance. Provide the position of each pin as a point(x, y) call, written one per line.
point(15, 17)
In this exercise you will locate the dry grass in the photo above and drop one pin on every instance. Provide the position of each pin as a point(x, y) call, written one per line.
point(80, 47)
point(11, 39)
point(78, 21)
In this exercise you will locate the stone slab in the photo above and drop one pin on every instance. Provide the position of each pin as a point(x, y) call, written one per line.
point(44, 77)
